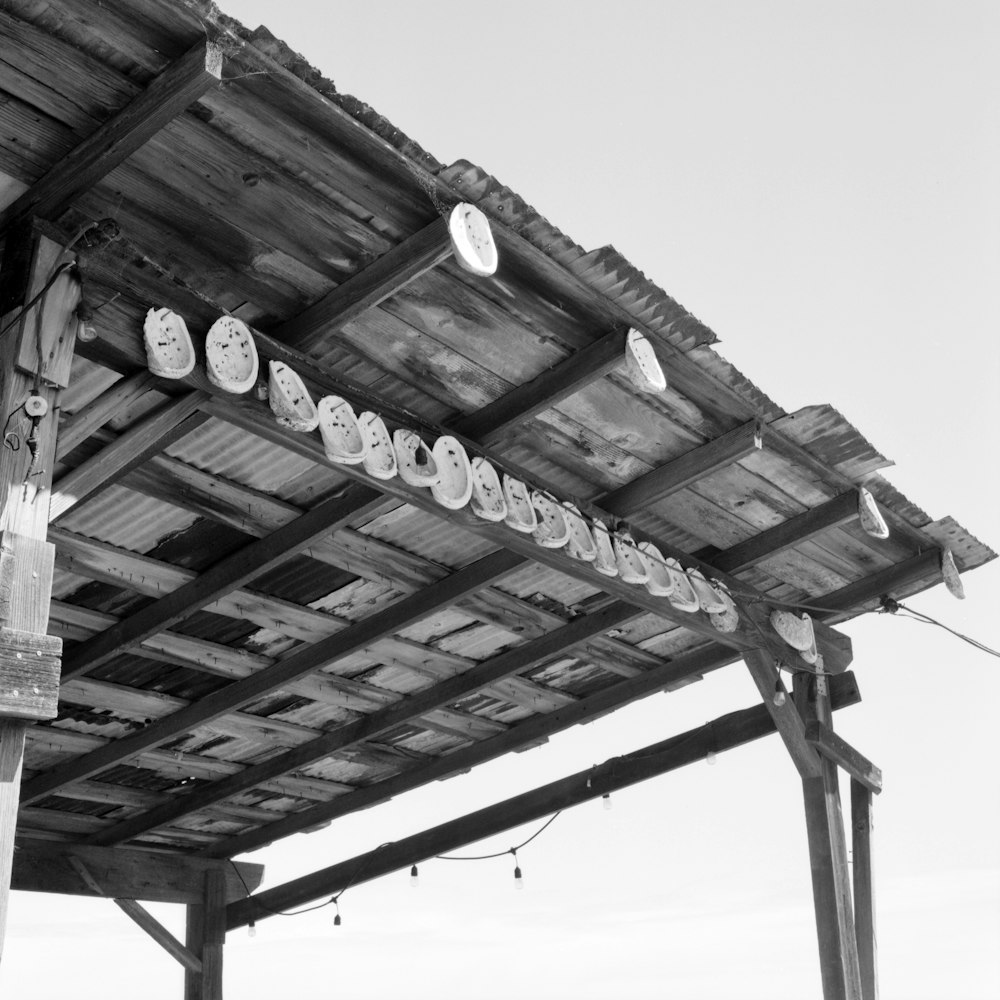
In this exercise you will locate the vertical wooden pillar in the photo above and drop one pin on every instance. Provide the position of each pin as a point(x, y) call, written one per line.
point(864, 888)
point(36, 351)
point(838, 952)
point(206, 935)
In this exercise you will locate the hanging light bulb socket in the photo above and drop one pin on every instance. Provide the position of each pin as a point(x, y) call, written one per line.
point(606, 799)
point(779, 697)
point(251, 928)
point(414, 877)
point(710, 758)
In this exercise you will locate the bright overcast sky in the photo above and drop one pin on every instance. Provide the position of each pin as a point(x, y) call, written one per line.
point(818, 183)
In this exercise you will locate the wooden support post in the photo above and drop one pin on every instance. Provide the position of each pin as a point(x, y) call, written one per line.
point(864, 888)
point(29, 660)
point(206, 935)
point(838, 951)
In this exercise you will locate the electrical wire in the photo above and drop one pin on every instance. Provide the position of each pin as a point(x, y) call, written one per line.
point(500, 854)
point(894, 607)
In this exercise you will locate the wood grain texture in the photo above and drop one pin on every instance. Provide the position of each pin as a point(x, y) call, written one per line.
point(29, 675)
point(862, 867)
point(74, 430)
point(141, 916)
point(841, 753)
point(165, 98)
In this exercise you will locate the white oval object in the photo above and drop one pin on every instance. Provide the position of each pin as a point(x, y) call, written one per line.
point(631, 565)
point(604, 560)
point(290, 400)
point(169, 350)
point(488, 500)
point(414, 459)
point(521, 514)
point(727, 620)
point(709, 597)
point(341, 432)
point(642, 364)
point(380, 457)
point(552, 531)
point(581, 544)
point(870, 516)
point(231, 355)
point(797, 631)
point(454, 488)
point(952, 578)
point(683, 596)
point(661, 581)
point(472, 240)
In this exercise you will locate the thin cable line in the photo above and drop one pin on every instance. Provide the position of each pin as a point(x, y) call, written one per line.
point(500, 854)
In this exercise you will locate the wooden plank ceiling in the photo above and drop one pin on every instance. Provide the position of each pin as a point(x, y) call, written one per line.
point(259, 640)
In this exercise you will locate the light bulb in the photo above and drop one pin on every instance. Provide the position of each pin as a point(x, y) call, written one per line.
point(518, 878)
point(414, 877)
point(336, 920)
point(779, 694)
point(251, 929)
point(606, 798)
point(710, 757)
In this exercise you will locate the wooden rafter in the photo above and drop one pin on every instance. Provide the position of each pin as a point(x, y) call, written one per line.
point(373, 284)
point(291, 668)
point(835, 748)
point(371, 726)
point(724, 733)
point(177, 87)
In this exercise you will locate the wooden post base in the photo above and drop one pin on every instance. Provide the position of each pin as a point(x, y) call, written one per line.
point(206, 935)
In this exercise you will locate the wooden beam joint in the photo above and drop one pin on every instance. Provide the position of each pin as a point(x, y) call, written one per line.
point(29, 675)
point(838, 750)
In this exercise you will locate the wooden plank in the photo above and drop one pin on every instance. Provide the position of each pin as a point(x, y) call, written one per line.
point(838, 951)
point(171, 422)
point(29, 675)
point(385, 276)
point(725, 733)
point(177, 87)
point(76, 429)
point(292, 667)
point(491, 422)
point(223, 577)
point(864, 888)
point(685, 470)
point(838, 750)
point(372, 726)
point(786, 716)
point(160, 934)
point(152, 876)
point(796, 529)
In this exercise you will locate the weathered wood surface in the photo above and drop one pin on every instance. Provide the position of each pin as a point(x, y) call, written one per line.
point(836, 749)
point(862, 867)
point(165, 98)
point(160, 934)
point(725, 733)
point(206, 935)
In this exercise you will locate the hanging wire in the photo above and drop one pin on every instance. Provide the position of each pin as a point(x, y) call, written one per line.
point(889, 606)
point(500, 854)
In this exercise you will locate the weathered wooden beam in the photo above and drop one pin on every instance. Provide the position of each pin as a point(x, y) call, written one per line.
point(223, 577)
point(371, 726)
point(170, 423)
point(26, 559)
point(685, 470)
point(160, 934)
point(838, 750)
point(864, 888)
point(206, 935)
point(298, 664)
point(786, 716)
point(177, 87)
point(76, 429)
point(838, 950)
point(840, 510)
point(151, 876)
point(373, 284)
point(491, 422)
point(725, 733)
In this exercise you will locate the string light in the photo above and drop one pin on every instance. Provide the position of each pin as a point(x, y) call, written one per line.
point(336, 919)
point(710, 758)
point(518, 877)
point(414, 877)
point(606, 799)
point(251, 928)
point(779, 697)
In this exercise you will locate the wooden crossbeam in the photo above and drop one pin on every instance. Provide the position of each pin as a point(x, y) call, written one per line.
point(224, 576)
point(725, 733)
point(840, 510)
point(177, 87)
point(491, 422)
point(838, 750)
point(170, 423)
point(685, 470)
point(160, 934)
point(81, 425)
point(373, 284)
point(371, 726)
point(297, 665)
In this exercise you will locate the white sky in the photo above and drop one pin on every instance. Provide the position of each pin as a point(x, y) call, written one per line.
point(818, 183)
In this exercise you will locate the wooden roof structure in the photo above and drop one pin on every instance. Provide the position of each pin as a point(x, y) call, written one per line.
point(258, 638)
